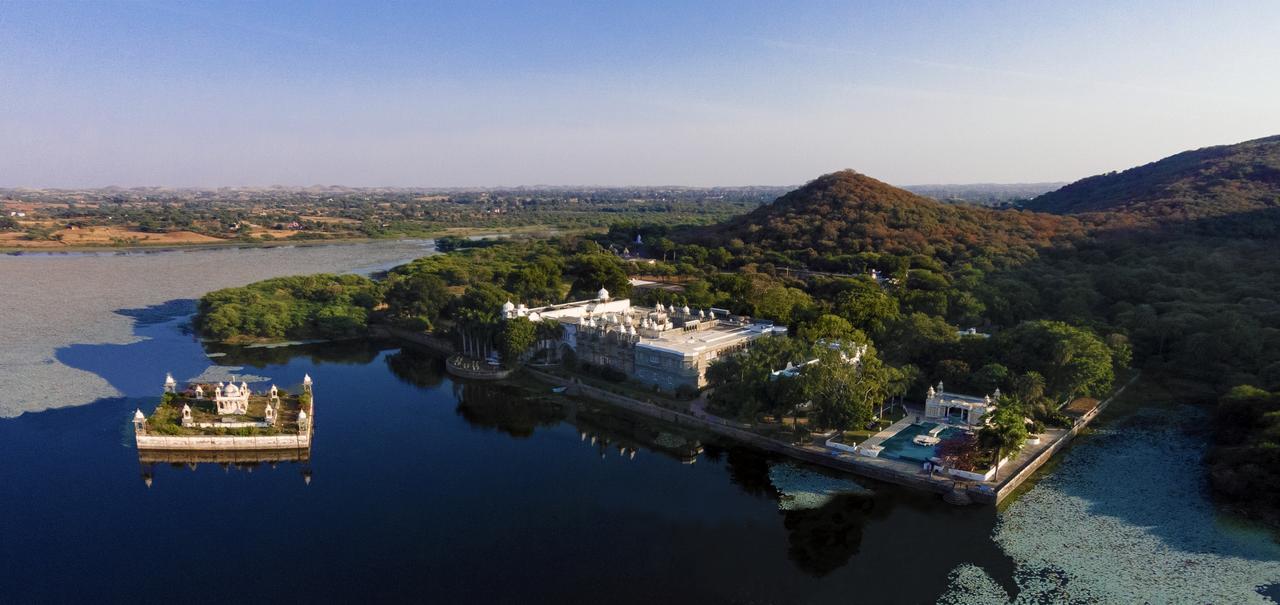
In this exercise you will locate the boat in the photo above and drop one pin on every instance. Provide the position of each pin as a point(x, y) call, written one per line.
point(925, 440)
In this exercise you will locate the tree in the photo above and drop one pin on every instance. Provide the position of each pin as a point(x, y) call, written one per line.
point(593, 271)
point(1073, 361)
point(742, 385)
point(780, 303)
point(844, 394)
point(476, 315)
point(1028, 387)
point(867, 306)
point(990, 377)
point(516, 336)
point(1005, 430)
point(899, 381)
point(918, 338)
point(1121, 351)
point(831, 328)
point(422, 296)
point(954, 372)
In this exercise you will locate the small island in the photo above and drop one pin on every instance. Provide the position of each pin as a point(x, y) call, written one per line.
point(227, 417)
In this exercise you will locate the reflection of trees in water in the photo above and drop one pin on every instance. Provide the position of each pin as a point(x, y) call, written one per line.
point(504, 408)
point(416, 367)
point(748, 469)
point(347, 352)
point(823, 539)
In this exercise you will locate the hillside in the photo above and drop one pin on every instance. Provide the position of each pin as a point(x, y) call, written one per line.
point(847, 213)
point(1202, 183)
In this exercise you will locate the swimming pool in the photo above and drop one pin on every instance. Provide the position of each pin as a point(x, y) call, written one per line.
point(902, 447)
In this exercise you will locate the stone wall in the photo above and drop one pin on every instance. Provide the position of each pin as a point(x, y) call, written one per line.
point(223, 442)
point(1011, 484)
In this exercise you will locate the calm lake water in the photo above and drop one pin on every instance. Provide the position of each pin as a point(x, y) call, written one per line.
point(422, 488)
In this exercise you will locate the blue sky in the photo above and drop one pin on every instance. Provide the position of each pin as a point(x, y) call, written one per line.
point(688, 93)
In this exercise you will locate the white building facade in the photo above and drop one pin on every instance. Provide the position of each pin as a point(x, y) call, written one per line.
point(954, 408)
point(666, 347)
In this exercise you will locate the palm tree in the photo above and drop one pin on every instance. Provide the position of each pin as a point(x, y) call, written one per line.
point(1005, 431)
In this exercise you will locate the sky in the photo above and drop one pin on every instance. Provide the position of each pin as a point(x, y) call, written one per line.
point(622, 93)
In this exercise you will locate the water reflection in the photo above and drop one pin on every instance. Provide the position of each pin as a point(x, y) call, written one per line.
point(609, 431)
point(822, 540)
point(416, 367)
point(748, 469)
point(239, 460)
point(504, 408)
point(352, 352)
point(525, 477)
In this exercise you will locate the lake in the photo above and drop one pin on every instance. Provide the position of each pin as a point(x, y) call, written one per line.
point(53, 302)
point(423, 488)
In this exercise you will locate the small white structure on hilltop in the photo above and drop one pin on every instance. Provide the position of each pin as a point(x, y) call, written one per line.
point(170, 385)
point(232, 399)
point(954, 408)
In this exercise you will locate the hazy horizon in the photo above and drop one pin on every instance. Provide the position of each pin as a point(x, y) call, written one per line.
point(660, 94)
point(530, 186)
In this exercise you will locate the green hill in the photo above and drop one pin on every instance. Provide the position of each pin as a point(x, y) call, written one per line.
point(1203, 183)
point(847, 213)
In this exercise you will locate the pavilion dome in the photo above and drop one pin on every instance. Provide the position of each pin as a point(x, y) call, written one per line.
point(508, 307)
point(603, 294)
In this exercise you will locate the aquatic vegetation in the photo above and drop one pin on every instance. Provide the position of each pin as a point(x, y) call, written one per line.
point(214, 374)
point(1126, 519)
point(671, 441)
point(109, 305)
point(971, 584)
point(802, 488)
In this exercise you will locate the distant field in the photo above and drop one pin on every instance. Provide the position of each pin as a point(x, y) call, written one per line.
point(334, 220)
point(62, 236)
point(106, 236)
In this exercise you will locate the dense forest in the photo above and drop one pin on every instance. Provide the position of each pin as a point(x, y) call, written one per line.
point(837, 220)
point(311, 306)
point(1193, 185)
point(1173, 264)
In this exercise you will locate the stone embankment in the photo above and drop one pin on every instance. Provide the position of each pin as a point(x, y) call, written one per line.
point(223, 442)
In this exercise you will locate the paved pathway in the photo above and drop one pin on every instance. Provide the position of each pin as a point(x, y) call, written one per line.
point(892, 430)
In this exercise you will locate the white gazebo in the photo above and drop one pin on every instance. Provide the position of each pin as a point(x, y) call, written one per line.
point(954, 408)
point(232, 399)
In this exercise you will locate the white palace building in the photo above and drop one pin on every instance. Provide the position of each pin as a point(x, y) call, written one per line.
point(661, 346)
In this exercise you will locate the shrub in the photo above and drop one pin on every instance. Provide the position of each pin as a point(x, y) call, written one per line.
point(685, 391)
